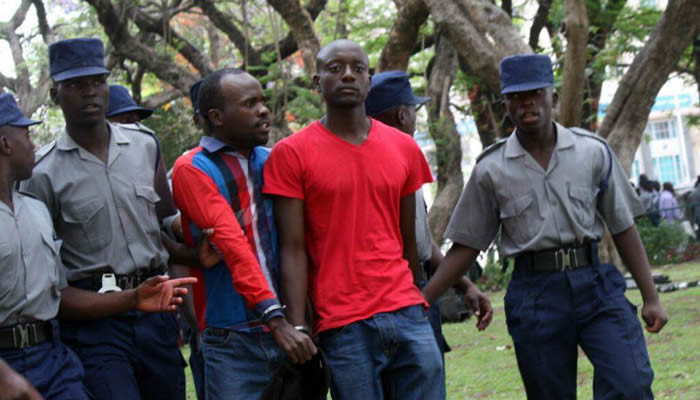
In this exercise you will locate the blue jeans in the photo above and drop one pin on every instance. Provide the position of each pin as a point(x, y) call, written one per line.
point(551, 314)
point(391, 353)
point(238, 365)
point(51, 367)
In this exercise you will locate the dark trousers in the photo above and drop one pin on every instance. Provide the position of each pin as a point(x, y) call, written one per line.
point(550, 314)
point(51, 367)
point(133, 356)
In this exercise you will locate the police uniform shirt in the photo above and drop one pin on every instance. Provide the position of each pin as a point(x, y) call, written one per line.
point(541, 209)
point(424, 242)
point(30, 266)
point(104, 213)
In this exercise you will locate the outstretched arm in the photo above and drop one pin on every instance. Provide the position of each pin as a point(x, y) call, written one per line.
point(158, 293)
point(457, 261)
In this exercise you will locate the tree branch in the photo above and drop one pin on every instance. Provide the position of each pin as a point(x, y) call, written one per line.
point(538, 23)
point(223, 22)
point(302, 27)
point(403, 36)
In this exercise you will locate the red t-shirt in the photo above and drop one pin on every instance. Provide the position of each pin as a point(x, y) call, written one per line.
point(351, 199)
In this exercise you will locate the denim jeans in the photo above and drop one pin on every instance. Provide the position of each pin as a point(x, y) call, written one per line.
point(392, 353)
point(238, 365)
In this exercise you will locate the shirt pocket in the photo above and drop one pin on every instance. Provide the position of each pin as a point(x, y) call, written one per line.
point(87, 225)
point(146, 209)
point(583, 205)
point(9, 264)
point(51, 252)
point(521, 218)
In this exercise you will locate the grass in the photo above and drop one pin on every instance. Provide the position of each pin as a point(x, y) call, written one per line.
point(482, 365)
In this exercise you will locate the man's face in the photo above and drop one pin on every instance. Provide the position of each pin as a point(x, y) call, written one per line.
point(244, 120)
point(22, 157)
point(343, 77)
point(84, 100)
point(128, 117)
point(531, 111)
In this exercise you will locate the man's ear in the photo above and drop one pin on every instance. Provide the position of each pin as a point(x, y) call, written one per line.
point(316, 80)
point(5, 146)
point(214, 117)
point(401, 116)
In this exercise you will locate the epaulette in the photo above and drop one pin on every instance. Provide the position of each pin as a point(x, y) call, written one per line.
point(43, 152)
point(137, 126)
point(491, 149)
point(587, 133)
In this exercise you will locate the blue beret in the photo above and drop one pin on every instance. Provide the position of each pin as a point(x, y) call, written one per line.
point(523, 72)
point(390, 89)
point(10, 114)
point(73, 58)
point(120, 101)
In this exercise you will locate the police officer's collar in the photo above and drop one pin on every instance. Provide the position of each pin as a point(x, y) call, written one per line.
point(66, 142)
point(565, 140)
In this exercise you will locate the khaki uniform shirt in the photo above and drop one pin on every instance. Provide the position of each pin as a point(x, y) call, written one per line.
point(31, 276)
point(540, 209)
point(104, 213)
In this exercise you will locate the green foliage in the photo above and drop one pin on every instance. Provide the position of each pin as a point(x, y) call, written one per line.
point(175, 129)
point(494, 276)
point(665, 243)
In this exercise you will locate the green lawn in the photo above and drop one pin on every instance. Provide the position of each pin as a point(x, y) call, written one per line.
point(482, 364)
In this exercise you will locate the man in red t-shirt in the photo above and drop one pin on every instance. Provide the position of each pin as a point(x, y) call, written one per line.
point(344, 190)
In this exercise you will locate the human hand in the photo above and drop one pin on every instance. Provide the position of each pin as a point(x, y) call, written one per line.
point(654, 316)
point(298, 345)
point(160, 293)
point(209, 256)
point(480, 305)
point(14, 386)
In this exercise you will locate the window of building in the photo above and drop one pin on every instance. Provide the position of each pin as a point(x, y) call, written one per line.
point(636, 171)
point(668, 169)
point(659, 130)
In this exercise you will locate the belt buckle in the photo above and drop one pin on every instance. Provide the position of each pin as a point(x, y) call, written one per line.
point(23, 332)
point(563, 259)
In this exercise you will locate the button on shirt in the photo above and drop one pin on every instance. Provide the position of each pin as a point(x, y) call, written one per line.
point(30, 266)
point(541, 209)
point(104, 213)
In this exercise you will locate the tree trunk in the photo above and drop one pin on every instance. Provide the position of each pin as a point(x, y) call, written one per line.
point(627, 115)
point(302, 27)
point(403, 36)
point(448, 149)
point(482, 34)
point(571, 96)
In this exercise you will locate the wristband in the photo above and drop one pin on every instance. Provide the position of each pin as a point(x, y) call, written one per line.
point(302, 328)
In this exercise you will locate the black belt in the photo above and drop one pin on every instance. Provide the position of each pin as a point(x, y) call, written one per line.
point(24, 335)
point(125, 282)
point(558, 259)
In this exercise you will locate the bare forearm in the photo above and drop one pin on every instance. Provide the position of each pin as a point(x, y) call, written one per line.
point(294, 269)
point(632, 252)
point(436, 257)
point(407, 224)
point(79, 304)
point(457, 261)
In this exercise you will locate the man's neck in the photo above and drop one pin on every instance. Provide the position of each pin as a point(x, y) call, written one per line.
point(350, 124)
point(543, 140)
point(245, 150)
point(6, 185)
point(93, 137)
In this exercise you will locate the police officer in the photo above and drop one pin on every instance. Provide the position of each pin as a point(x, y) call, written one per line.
point(552, 192)
point(34, 284)
point(122, 107)
point(392, 101)
point(106, 191)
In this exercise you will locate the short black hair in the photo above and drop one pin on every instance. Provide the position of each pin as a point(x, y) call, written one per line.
point(210, 92)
